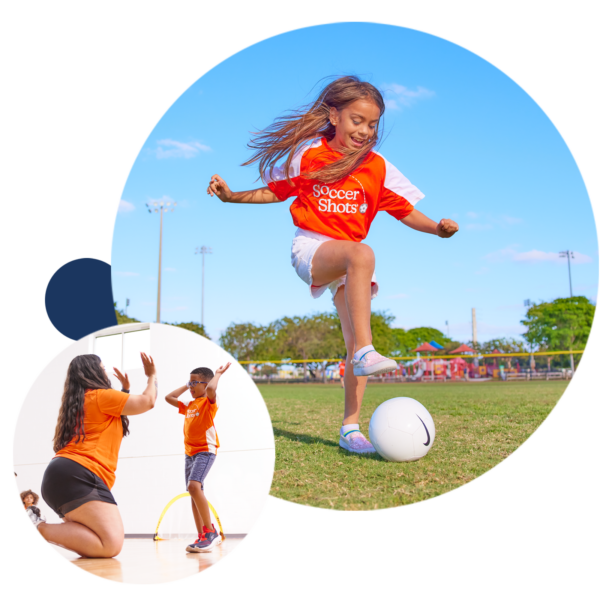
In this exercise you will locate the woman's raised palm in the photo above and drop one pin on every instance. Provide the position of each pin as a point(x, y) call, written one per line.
point(149, 368)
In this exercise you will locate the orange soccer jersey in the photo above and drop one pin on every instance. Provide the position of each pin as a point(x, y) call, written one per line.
point(99, 452)
point(343, 210)
point(199, 433)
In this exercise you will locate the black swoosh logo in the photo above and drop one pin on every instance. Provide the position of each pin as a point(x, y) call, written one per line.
point(427, 430)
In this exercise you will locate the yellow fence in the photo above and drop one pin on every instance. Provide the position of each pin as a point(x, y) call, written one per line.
point(435, 356)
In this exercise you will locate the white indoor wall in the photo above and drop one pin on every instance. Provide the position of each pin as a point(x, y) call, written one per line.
point(151, 461)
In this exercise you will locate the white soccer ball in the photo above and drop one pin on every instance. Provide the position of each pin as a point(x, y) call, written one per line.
point(402, 430)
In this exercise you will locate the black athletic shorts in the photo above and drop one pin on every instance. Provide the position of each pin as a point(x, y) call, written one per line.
point(67, 485)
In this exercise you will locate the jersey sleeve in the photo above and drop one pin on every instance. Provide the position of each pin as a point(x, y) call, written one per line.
point(399, 195)
point(182, 408)
point(111, 402)
point(277, 182)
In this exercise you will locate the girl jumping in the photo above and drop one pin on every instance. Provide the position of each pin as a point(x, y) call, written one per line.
point(340, 184)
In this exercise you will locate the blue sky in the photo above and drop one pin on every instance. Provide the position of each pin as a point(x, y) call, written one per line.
point(475, 143)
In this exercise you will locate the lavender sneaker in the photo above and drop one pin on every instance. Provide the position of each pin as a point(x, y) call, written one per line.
point(372, 363)
point(355, 441)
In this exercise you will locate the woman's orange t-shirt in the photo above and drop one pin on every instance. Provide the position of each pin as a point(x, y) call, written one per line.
point(99, 451)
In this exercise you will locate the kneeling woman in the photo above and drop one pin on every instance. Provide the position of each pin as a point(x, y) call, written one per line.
point(91, 424)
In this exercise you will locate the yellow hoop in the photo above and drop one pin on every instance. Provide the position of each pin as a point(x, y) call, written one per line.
point(186, 495)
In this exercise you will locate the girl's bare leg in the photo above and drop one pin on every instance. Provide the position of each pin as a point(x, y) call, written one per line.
point(354, 388)
point(337, 258)
point(94, 530)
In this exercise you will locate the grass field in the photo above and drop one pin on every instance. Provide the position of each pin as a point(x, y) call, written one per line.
point(477, 426)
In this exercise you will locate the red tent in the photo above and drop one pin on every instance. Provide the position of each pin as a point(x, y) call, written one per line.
point(462, 348)
point(426, 347)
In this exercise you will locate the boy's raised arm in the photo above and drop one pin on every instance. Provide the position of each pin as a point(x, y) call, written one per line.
point(173, 397)
point(211, 388)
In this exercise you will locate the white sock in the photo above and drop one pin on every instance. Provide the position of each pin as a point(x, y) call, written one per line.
point(352, 427)
point(361, 352)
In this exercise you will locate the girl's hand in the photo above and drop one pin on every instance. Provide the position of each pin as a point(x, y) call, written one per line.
point(222, 370)
point(446, 228)
point(149, 368)
point(122, 377)
point(219, 188)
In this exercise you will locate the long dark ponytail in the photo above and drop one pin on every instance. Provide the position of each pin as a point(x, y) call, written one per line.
point(85, 372)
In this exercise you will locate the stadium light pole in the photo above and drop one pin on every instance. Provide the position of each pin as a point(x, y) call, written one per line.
point(568, 255)
point(204, 250)
point(160, 207)
point(527, 303)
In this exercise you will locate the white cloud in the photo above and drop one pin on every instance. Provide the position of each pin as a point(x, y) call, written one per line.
point(127, 274)
point(174, 149)
point(397, 296)
point(399, 96)
point(472, 215)
point(533, 256)
point(115, 204)
point(482, 271)
point(511, 220)
point(170, 269)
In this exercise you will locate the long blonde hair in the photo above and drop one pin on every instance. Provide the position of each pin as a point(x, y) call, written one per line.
point(289, 132)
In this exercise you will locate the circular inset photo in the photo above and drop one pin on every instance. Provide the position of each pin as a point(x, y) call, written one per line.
point(130, 420)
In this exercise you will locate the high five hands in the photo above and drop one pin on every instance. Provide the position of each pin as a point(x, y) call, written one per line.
point(446, 228)
point(149, 369)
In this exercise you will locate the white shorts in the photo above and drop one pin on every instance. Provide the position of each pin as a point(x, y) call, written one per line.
point(304, 246)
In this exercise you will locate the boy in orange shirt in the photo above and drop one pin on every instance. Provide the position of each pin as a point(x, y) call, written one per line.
point(201, 443)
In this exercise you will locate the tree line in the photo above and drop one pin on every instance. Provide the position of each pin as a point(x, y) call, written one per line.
point(563, 324)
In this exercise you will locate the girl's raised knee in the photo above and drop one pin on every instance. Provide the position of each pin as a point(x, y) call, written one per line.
point(363, 256)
